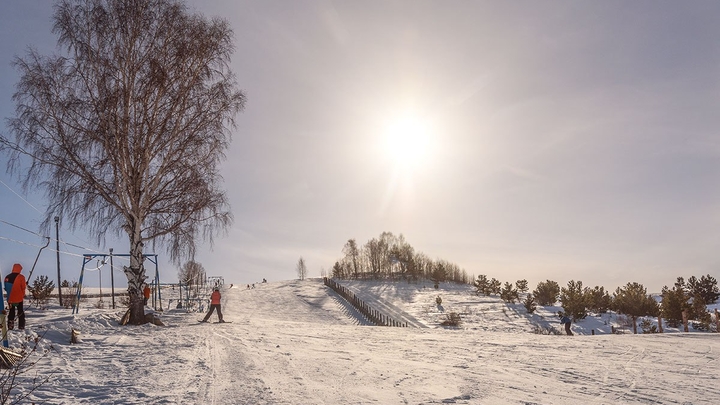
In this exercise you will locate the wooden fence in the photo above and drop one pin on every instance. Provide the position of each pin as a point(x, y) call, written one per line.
point(366, 310)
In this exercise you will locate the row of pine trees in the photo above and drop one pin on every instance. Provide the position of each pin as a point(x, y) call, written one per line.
point(684, 301)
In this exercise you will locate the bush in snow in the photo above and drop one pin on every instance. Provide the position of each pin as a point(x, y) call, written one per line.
point(703, 321)
point(547, 330)
point(451, 319)
point(647, 326)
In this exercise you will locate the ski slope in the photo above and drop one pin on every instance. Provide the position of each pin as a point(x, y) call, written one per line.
point(297, 342)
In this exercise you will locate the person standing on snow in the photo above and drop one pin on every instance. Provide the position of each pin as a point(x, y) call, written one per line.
point(146, 294)
point(567, 322)
point(15, 286)
point(214, 304)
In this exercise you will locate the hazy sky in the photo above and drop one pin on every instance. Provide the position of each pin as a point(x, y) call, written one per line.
point(551, 140)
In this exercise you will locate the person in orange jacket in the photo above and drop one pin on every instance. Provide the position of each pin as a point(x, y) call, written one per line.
point(15, 286)
point(146, 294)
point(214, 304)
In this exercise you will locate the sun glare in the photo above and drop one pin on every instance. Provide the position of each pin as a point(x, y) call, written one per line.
point(407, 142)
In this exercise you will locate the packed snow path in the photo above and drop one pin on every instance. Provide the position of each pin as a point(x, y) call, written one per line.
point(297, 343)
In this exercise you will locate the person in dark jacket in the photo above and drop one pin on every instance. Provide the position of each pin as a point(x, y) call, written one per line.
point(15, 286)
point(567, 322)
point(214, 304)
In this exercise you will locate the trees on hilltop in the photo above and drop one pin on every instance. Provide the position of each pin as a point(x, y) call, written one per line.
point(391, 257)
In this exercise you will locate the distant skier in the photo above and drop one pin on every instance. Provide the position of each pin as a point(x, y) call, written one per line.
point(214, 304)
point(15, 289)
point(567, 322)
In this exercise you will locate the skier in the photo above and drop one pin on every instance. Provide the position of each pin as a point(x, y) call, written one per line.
point(214, 304)
point(567, 322)
point(15, 289)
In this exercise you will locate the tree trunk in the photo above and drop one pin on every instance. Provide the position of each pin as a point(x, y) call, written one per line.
point(660, 325)
point(136, 278)
point(634, 318)
point(685, 320)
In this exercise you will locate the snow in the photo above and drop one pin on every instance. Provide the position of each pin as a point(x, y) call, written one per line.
point(297, 342)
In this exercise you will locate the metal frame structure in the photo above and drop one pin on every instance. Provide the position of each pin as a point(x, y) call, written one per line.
point(88, 257)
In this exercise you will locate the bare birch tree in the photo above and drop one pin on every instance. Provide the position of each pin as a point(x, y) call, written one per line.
point(301, 269)
point(125, 131)
point(352, 255)
point(192, 274)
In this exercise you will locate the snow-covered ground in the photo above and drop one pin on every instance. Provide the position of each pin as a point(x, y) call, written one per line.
point(297, 342)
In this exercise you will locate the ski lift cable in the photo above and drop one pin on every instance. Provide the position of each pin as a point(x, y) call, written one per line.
point(52, 239)
point(20, 227)
point(40, 212)
point(50, 249)
point(19, 196)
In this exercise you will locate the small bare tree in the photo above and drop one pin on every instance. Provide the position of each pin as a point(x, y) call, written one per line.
point(192, 274)
point(301, 269)
point(126, 130)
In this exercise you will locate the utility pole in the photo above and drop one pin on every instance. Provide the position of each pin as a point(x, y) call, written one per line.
point(100, 266)
point(112, 280)
point(57, 252)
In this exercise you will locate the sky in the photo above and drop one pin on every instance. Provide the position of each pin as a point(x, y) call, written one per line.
point(297, 342)
point(558, 140)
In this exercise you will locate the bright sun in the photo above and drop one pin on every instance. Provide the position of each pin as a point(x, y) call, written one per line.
point(407, 142)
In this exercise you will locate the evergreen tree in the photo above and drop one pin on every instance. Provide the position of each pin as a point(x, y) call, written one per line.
point(41, 289)
point(674, 300)
point(522, 286)
point(482, 285)
point(530, 304)
point(546, 293)
point(598, 300)
point(634, 301)
point(337, 270)
point(706, 289)
point(509, 294)
point(572, 298)
point(438, 273)
point(495, 286)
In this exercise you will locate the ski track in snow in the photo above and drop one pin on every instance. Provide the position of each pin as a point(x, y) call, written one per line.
point(299, 343)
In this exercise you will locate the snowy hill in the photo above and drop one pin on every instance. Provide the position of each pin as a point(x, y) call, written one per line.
point(297, 342)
